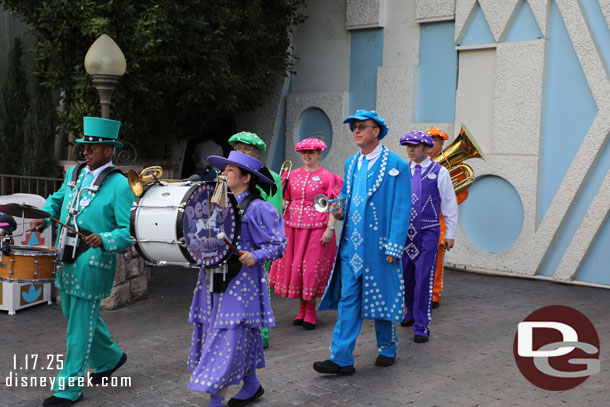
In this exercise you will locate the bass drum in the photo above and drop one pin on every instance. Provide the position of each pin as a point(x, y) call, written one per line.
point(177, 224)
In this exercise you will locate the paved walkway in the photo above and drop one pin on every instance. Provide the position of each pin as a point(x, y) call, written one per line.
point(468, 361)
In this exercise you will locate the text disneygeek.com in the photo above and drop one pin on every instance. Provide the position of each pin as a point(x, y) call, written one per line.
point(24, 367)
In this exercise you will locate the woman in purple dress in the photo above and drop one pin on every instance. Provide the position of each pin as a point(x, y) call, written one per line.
point(227, 347)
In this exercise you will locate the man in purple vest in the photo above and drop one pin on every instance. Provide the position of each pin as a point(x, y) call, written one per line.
point(432, 193)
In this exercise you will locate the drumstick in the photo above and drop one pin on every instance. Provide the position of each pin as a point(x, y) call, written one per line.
point(64, 225)
point(223, 236)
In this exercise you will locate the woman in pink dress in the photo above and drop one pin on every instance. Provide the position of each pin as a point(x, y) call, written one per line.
point(304, 270)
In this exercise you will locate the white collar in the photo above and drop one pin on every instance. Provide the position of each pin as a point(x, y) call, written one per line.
point(424, 164)
point(98, 171)
point(372, 156)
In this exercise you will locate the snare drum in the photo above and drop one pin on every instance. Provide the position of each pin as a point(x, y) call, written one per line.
point(177, 224)
point(27, 264)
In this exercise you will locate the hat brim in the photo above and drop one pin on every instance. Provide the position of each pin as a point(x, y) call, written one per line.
point(117, 144)
point(234, 140)
point(383, 130)
point(415, 142)
point(221, 162)
point(356, 117)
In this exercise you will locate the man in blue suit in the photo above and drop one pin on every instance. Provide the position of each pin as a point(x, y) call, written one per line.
point(367, 281)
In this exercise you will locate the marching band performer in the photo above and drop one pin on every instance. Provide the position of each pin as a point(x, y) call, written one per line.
point(227, 345)
point(94, 198)
point(432, 194)
point(304, 270)
point(439, 137)
point(366, 281)
point(251, 144)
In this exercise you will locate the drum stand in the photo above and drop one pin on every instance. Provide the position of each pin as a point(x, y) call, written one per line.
point(16, 296)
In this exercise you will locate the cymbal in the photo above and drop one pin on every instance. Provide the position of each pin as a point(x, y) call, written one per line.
point(27, 211)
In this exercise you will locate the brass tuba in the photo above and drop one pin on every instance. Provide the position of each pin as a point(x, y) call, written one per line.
point(452, 157)
point(147, 176)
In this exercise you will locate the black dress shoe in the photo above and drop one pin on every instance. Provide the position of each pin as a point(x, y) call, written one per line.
point(308, 325)
point(60, 401)
point(297, 322)
point(407, 322)
point(330, 367)
point(384, 361)
point(435, 304)
point(97, 377)
point(420, 339)
point(239, 402)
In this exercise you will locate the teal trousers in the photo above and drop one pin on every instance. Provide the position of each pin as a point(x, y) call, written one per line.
point(88, 343)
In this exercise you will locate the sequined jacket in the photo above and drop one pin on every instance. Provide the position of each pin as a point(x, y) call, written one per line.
point(386, 223)
point(302, 189)
point(245, 302)
point(105, 212)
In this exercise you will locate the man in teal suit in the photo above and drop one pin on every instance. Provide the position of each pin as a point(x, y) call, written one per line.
point(94, 199)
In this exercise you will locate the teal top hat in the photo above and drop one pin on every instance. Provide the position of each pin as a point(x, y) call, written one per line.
point(98, 130)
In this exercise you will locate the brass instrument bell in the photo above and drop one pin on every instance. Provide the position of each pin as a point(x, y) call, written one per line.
point(285, 172)
point(322, 204)
point(286, 168)
point(462, 148)
point(147, 176)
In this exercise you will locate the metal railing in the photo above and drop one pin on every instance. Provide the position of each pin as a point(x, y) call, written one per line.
point(24, 184)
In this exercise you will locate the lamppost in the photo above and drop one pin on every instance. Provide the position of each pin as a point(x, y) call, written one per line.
point(105, 63)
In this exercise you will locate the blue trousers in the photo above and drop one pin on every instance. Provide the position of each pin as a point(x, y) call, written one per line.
point(349, 321)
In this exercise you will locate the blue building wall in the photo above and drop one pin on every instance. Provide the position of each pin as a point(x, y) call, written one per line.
point(524, 27)
point(315, 123)
point(478, 31)
point(569, 110)
point(437, 73)
point(492, 216)
point(366, 55)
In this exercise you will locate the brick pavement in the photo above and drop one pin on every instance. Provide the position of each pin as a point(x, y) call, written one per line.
point(468, 361)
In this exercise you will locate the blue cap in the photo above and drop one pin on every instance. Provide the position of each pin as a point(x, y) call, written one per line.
point(98, 130)
point(365, 115)
point(416, 137)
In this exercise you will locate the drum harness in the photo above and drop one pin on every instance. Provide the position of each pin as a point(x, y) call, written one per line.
point(71, 245)
point(218, 278)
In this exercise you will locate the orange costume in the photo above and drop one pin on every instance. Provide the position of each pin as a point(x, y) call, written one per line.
point(461, 197)
point(439, 273)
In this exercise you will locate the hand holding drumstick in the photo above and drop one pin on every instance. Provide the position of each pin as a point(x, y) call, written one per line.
point(245, 257)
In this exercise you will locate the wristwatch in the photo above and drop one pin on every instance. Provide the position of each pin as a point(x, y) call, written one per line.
point(331, 227)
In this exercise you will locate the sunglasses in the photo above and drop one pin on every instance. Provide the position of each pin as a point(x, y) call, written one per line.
point(90, 148)
point(362, 127)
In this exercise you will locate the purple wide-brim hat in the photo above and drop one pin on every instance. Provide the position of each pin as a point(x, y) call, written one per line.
point(241, 160)
point(416, 137)
point(365, 115)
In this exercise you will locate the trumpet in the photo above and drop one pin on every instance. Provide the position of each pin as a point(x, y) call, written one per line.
point(322, 204)
point(147, 176)
point(462, 148)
